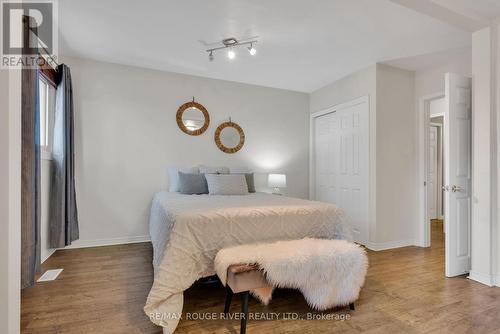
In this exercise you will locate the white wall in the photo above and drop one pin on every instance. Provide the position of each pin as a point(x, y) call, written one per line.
point(392, 147)
point(4, 200)
point(496, 249)
point(484, 206)
point(126, 135)
point(10, 201)
point(396, 164)
point(431, 81)
point(482, 192)
point(358, 84)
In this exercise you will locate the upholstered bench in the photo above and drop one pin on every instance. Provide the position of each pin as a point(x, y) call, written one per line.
point(328, 272)
point(243, 278)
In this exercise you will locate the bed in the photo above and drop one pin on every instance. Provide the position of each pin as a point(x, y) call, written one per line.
point(187, 231)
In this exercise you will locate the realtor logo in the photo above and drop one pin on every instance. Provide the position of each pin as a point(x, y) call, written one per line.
point(38, 19)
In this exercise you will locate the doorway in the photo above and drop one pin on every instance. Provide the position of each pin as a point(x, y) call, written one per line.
point(453, 121)
point(436, 174)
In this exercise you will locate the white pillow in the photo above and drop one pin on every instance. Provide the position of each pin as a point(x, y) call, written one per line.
point(173, 176)
point(227, 184)
point(213, 170)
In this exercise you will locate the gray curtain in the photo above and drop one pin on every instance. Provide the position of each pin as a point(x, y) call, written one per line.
point(30, 172)
point(63, 223)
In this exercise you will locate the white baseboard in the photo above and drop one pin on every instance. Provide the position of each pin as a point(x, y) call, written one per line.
point(379, 246)
point(47, 254)
point(108, 242)
point(97, 243)
point(485, 279)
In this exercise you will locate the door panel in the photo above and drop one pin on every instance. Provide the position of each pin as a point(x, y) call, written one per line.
point(463, 147)
point(457, 147)
point(341, 151)
point(463, 208)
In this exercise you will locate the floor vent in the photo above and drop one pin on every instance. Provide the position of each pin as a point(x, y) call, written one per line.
point(50, 275)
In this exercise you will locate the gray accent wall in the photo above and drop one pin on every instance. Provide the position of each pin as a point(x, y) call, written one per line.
point(126, 135)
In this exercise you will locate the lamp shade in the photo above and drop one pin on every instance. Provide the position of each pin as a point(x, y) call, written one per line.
point(276, 181)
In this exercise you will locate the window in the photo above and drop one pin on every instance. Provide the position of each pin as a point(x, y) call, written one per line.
point(47, 102)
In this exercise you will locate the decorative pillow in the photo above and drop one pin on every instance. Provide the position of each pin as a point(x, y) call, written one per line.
point(192, 184)
point(227, 184)
point(173, 176)
point(213, 170)
point(250, 182)
point(249, 178)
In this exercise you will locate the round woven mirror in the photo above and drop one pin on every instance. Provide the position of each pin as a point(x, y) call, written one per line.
point(229, 137)
point(193, 118)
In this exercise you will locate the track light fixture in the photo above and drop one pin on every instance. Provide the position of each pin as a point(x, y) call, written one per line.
point(230, 44)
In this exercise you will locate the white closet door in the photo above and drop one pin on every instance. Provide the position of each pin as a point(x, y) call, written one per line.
point(341, 157)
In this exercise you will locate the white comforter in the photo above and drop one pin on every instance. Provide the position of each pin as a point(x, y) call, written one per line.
point(187, 231)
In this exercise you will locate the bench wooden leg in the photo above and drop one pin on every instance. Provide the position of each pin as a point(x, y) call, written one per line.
point(229, 297)
point(351, 306)
point(244, 312)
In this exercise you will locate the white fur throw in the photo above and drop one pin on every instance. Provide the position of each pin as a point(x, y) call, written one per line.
point(328, 272)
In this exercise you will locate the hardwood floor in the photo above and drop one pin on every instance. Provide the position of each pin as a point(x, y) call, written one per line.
point(102, 290)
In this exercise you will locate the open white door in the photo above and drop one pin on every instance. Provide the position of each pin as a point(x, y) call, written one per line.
point(457, 149)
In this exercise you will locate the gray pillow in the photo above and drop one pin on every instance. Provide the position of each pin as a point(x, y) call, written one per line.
point(173, 176)
point(250, 182)
point(192, 184)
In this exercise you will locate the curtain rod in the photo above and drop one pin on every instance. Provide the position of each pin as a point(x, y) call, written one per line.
point(49, 55)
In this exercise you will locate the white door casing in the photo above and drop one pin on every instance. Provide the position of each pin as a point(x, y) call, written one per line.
point(340, 156)
point(457, 150)
point(433, 171)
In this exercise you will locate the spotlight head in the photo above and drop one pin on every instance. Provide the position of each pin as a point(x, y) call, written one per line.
point(252, 50)
point(231, 54)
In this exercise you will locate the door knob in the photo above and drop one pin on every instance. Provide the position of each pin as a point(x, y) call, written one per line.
point(456, 188)
point(445, 188)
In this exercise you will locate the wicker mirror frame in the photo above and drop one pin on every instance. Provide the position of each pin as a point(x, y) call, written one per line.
point(183, 127)
point(218, 141)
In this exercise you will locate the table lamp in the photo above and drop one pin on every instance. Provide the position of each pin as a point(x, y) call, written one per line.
point(276, 181)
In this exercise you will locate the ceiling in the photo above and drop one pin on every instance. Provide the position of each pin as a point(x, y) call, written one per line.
point(303, 45)
point(488, 9)
point(430, 60)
